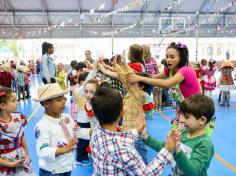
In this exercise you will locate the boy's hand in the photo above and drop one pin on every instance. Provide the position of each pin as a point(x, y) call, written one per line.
point(18, 163)
point(172, 140)
point(71, 146)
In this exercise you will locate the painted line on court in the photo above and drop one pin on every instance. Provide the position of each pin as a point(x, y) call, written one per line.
point(215, 155)
point(33, 113)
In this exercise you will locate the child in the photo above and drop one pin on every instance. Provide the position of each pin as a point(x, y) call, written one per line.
point(135, 56)
point(60, 76)
point(74, 81)
point(148, 106)
point(113, 152)
point(55, 137)
point(20, 82)
point(14, 160)
point(150, 62)
point(193, 155)
point(208, 81)
point(226, 83)
point(85, 118)
point(5, 76)
point(27, 82)
point(182, 77)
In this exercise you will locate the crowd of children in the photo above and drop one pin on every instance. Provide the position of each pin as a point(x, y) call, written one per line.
point(110, 104)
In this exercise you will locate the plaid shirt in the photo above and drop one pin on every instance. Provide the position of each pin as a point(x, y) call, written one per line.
point(116, 84)
point(5, 79)
point(114, 154)
point(133, 101)
point(226, 76)
point(151, 67)
point(20, 79)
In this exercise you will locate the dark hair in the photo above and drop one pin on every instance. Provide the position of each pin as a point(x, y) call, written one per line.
point(211, 64)
point(5, 94)
point(88, 51)
point(45, 47)
point(136, 53)
point(163, 62)
point(80, 65)
point(82, 76)
point(198, 105)
point(106, 61)
point(107, 104)
point(203, 61)
point(73, 64)
point(183, 53)
point(146, 86)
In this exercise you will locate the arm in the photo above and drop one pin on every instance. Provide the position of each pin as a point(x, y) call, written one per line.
point(6, 163)
point(177, 78)
point(108, 72)
point(160, 75)
point(24, 144)
point(154, 144)
point(199, 161)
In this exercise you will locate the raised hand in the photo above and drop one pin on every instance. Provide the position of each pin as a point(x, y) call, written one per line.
point(173, 140)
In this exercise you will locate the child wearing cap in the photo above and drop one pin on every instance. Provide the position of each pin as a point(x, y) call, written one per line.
point(55, 138)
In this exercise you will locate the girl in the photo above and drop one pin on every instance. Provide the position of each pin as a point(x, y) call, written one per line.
point(150, 62)
point(226, 82)
point(85, 118)
point(135, 56)
point(48, 67)
point(208, 81)
point(60, 76)
point(182, 78)
point(15, 160)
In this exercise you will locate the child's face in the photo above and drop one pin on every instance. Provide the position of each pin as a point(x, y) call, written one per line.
point(60, 67)
point(191, 123)
point(89, 90)
point(55, 105)
point(11, 105)
point(172, 58)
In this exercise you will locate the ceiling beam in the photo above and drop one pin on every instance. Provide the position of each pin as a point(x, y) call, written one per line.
point(46, 12)
point(107, 11)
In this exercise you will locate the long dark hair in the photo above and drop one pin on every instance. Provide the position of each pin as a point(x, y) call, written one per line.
point(45, 47)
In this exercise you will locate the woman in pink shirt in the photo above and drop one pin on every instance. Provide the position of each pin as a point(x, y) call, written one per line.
point(182, 79)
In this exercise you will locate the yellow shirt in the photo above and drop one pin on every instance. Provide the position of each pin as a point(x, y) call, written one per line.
point(60, 77)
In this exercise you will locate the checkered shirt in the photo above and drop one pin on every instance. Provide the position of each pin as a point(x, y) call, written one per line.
point(20, 79)
point(226, 76)
point(151, 67)
point(133, 101)
point(114, 154)
point(116, 84)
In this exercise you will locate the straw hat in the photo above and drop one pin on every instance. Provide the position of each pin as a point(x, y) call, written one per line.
point(227, 64)
point(49, 91)
point(5, 68)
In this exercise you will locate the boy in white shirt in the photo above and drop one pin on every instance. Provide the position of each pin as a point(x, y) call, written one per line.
point(54, 133)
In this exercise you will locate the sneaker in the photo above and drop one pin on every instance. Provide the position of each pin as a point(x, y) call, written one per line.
point(84, 162)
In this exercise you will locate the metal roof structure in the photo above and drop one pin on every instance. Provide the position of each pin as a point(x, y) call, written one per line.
point(114, 18)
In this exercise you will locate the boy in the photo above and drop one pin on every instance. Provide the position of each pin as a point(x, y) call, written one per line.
point(194, 154)
point(55, 140)
point(114, 152)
